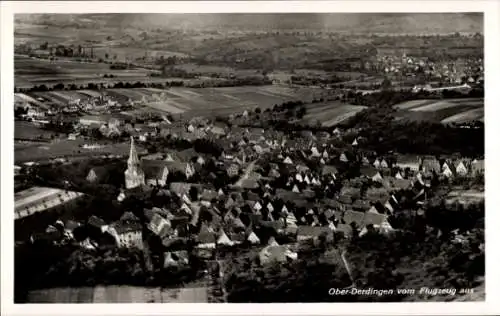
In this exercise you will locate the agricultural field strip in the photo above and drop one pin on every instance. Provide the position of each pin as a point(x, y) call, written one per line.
point(40, 195)
point(338, 114)
point(29, 99)
point(413, 104)
point(165, 106)
point(340, 118)
point(446, 104)
point(469, 115)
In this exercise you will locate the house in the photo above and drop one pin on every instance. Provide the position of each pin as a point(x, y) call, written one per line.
point(253, 238)
point(233, 170)
point(343, 157)
point(313, 233)
point(276, 253)
point(206, 237)
point(288, 161)
point(408, 161)
point(97, 223)
point(353, 217)
point(223, 239)
point(371, 173)
point(217, 130)
point(448, 169)
point(96, 174)
point(430, 164)
point(159, 225)
point(155, 172)
point(180, 188)
point(477, 167)
point(461, 169)
point(127, 234)
point(176, 259)
point(400, 184)
point(328, 170)
point(248, 184)
point(315, 152)
point(208, 195)
point(378, 221)
point(384, 164)
point(344, 229)
point(184, 167)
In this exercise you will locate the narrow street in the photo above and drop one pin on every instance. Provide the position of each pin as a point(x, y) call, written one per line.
point(246, 173)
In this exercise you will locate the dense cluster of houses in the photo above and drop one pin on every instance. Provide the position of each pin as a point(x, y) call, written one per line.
point(460, 71)
point(296, 190)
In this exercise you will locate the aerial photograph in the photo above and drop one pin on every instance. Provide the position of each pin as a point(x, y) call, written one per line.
point(249, 158)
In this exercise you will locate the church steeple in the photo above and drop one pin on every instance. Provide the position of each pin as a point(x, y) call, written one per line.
point(134, 176)
point(133, 158)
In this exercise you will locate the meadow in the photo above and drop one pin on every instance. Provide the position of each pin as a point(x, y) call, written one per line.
point(24, 152)
point(330, 113)
point(444, 111)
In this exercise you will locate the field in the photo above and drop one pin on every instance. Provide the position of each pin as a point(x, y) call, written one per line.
point(119, 294)
point(27, 131)
point(33, 71)
point(330, 113)
point(64, 148)
point(444, 111)
point(206, 101)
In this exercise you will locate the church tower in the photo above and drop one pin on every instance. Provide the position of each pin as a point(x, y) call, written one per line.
point(134, 176)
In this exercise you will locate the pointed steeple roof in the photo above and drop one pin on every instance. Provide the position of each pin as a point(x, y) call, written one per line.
point(133, 158)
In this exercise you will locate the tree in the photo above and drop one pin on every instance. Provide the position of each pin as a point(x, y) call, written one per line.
point(193, 193)
point(386, 84)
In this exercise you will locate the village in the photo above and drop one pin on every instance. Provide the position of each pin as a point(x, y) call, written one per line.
point(234, 174)
point(259, 189)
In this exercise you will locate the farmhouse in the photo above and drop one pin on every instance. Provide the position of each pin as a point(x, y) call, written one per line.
point(127, 234)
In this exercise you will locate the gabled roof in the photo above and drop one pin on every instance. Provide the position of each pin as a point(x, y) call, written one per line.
point(353, 216)
point(96, 221)
point(180, 188)
point(126, 227)
point(328, 169)
point(313, 231)
point(407, 159)
point(205, 236)
point(208, 195)
point(374, 219)
point(368, 171)
point(153, 169)
point(224, 239)
point(345, 229)
point(253, 238)
point(249, 184)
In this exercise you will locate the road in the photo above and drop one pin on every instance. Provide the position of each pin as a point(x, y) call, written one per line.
point(246, 173)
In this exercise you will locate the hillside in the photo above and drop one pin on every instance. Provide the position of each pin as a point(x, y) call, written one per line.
point(429, 23)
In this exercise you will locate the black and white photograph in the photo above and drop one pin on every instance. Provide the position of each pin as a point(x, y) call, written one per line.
point(334, 157)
